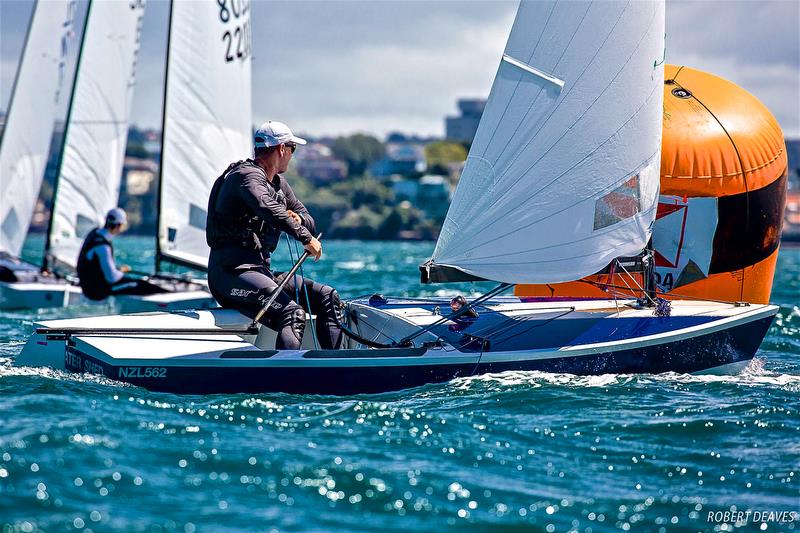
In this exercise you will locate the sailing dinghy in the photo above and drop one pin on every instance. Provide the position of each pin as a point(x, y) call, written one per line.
point(561, 180)
point(196, 107)
point(93, 151)
point(24, 150)
point(206, 126)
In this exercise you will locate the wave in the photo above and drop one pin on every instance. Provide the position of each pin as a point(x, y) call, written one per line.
point(755, 374)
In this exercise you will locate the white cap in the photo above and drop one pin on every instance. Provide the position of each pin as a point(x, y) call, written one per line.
point(273, 133)
point(116, 216)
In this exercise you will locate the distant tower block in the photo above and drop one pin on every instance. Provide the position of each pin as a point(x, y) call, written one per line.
point(723, 192)
point(463, 127)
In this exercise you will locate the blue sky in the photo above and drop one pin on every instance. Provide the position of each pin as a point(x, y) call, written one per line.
point(339, 67)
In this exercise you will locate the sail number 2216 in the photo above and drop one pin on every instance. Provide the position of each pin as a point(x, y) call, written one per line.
point(238, 39)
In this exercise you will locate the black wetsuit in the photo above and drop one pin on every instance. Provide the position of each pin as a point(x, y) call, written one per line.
point(93, 282)
point(246, 215)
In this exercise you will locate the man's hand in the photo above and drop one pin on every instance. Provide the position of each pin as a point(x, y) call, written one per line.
point(314, 248)
point(295, 216)
point(124, 269)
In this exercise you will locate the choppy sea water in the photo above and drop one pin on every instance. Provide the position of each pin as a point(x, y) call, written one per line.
point(523, 451)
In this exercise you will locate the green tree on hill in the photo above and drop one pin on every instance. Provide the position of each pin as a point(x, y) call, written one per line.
point(439, 154)
point(364, 191)
point(359, 151)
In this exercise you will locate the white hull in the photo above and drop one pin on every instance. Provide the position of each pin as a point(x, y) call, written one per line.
point(698, 337)
point(168, 301)
point(20, 295)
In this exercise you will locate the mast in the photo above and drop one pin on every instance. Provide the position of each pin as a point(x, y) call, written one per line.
point(45, 258)
point(163, 135)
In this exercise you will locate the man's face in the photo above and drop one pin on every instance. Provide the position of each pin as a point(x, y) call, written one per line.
point(286, 151)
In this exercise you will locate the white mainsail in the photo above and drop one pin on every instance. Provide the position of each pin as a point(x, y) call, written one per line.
point(97, 126)
point(207, 118)
point(563, 174)
point(32, 112)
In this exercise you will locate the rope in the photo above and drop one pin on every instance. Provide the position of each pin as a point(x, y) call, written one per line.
point(628, 296)
point(647, 296)
point(297, 289)
point(308, 299)
point(494, 292)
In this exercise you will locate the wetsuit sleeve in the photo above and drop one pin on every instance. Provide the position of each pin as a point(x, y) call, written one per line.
point(107, 265)
point(297, 206)
point(260, 197)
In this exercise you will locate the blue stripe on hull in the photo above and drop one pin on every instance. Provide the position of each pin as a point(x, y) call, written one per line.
point(691, 355)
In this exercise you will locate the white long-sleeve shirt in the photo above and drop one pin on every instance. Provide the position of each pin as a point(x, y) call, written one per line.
point(107, 264)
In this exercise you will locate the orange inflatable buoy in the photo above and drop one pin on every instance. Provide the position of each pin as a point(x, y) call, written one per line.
point(723, 191)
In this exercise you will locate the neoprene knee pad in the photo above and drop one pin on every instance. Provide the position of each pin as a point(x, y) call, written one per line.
point(330, 299)
point(295, 317)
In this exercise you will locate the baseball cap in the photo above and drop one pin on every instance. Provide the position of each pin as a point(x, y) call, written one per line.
point(273, 133)
point(116, 216)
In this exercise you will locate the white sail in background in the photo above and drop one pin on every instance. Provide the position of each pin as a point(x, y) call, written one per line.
point(563, 173)
point(32, 112)
point(97, 126)
point(207, 119)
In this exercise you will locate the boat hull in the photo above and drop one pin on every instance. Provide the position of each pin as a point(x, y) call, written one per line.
point(39, 295)
point(168, 301)
point(228, 364)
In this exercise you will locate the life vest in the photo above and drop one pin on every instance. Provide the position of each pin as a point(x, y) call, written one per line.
point(90, 273)
point(246, 230)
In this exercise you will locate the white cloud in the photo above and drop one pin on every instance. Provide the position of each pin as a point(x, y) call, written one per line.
point(382, 86)
point(338, 67)
point(753, 44)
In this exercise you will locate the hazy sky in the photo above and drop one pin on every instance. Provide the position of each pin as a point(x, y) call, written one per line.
point(339, 67)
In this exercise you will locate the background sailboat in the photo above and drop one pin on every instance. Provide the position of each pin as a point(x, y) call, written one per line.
point(38, 88)
point(207, 120)
point(206, 126)
point(93, 150)
point(198, 106)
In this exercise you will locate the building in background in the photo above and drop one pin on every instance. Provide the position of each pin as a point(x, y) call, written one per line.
point(791, 218)
point(402, 159)
point(316, 163)
point(463, 127)
point(138, 175)
point(793, 154)
point(405, 190)
point(433, 197)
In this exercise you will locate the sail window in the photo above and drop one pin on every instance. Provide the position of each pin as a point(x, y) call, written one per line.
point(11, 223)
point(618, 205)
point(197, 217)
point(83, 225)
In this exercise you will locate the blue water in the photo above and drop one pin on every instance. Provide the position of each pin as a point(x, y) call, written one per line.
point(515, 451)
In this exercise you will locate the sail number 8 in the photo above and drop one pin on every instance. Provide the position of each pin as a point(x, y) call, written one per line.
point(238, 41)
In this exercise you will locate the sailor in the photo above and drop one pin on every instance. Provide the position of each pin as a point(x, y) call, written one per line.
point(464, 320)
point(250, 206)
point(98, 273)
point(458, 302)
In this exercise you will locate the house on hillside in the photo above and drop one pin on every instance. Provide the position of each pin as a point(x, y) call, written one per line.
point(316, 163)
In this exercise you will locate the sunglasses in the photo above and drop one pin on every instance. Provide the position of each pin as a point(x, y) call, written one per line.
point(291, 146)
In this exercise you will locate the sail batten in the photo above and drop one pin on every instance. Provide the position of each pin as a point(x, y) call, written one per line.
point(562, 179)
point(533, 70)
